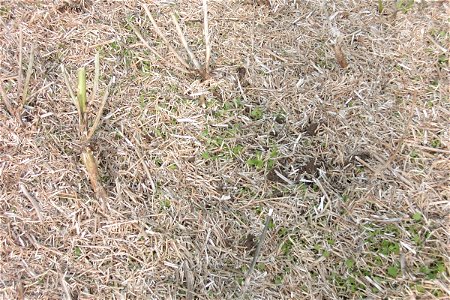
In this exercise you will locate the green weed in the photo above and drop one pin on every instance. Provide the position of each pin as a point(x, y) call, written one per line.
point(260, 267)
point(404, 5)
point(443, 60)
point(278, 279)
point(417, 216)
point(165, 204)
point(287, 247)
point(394, 270)
point(432, 271)
point(256, 161)
point(77, 251)
point(414, 154)
point(256, 113)
point(259, 162)
point(436, 143)
point(350, 263)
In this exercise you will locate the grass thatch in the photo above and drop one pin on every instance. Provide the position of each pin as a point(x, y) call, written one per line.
point(335, 115)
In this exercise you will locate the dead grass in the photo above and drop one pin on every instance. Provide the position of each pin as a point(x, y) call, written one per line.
point(354, 162)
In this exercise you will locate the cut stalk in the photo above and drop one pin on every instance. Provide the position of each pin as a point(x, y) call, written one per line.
point(92, 169)
point(86, 134)
point(21, 86)
point(380, 7)
point(196, 68)
point(82, 89)
point(147, 45)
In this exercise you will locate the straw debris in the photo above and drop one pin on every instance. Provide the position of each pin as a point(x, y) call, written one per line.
point(132, 190)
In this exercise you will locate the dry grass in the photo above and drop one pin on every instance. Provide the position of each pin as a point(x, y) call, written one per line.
point(354, 162)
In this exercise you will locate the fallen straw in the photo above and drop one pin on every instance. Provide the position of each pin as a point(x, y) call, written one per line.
point(258, 250)
point(33, 201)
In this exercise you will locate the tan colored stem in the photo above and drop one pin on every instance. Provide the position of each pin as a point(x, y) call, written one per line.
point(96, 75)
point(184, 42)
point(161, 35)
point(206, 32)
point(100, 111)
point(20, 74)
point(147, 45)
point(28, 77)
point(69, 88)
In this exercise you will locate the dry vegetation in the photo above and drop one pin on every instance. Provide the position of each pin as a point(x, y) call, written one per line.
point(335, 115)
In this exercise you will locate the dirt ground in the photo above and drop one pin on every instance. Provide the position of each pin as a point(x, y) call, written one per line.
point(333, 114)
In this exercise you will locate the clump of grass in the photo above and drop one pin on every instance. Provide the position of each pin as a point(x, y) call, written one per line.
point(84, 131)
